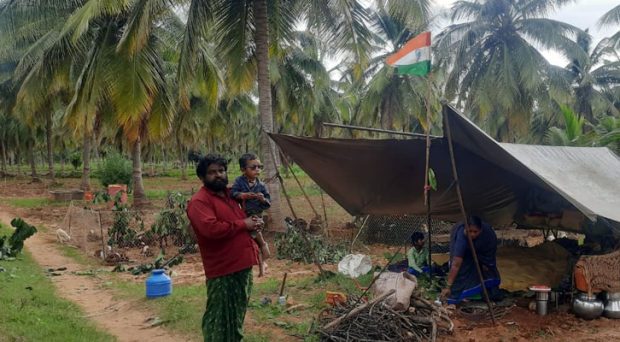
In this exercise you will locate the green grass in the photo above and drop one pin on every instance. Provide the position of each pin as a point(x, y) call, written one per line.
point(77, 255)
point(31, 311)
point(35, 202)
point(183, 310)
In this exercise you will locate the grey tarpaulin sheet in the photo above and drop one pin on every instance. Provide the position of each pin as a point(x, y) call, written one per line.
point(588, 177)
point(385, 177)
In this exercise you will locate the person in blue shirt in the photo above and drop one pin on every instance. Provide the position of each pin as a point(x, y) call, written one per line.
point(463, 281)
point(254, 198)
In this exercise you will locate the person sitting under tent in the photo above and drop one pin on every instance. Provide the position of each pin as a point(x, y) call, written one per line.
point(463, 280)
point(417, 255)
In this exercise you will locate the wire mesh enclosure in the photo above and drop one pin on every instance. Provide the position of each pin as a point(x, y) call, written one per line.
point(397, 229)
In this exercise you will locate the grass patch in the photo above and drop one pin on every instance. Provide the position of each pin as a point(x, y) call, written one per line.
point(183, 310)
point(76, 255)
point(32, 312)
point(36, 202)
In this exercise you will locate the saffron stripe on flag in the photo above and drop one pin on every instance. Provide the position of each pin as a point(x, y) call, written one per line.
point(422, 40)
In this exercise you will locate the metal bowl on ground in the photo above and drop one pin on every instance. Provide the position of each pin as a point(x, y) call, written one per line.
point(587, 307)
point(612, 307)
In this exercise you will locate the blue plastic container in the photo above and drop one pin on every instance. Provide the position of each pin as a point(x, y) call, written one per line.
point(158, 284)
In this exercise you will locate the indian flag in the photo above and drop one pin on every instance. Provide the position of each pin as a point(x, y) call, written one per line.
point(414, 58)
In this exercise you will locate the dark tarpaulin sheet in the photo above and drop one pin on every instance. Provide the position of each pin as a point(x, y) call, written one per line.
point(385, 177)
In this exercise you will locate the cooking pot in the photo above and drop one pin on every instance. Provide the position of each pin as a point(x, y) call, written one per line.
point(612, 308)
point(587, 307)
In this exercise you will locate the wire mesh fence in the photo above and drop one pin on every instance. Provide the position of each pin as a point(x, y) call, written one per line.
point(397, 229)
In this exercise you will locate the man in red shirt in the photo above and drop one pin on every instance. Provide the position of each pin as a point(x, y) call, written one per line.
point(227, 249)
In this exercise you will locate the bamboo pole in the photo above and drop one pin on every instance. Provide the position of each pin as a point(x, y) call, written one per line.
point(378, 130)
point(427, 187)
point(464, 214)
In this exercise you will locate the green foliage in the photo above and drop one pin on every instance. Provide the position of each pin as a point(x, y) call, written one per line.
point(172, 222)
point(159, 263)
point(115, 170)
point(293, 246)
point(122, 232)
point(11, 246)
point(76, 159)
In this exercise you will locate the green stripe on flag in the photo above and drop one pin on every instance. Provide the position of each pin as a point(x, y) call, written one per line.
point(419, 69)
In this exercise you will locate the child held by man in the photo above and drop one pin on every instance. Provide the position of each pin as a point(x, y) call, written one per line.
point(254, 198)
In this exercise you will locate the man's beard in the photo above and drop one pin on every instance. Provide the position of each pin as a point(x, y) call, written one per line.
point(217, 185)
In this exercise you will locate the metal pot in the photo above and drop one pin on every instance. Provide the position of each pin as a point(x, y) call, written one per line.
point(587, 307)
point(612, 308)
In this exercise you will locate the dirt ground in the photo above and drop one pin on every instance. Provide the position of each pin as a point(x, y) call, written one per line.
point(117, 317)
point(120, 318)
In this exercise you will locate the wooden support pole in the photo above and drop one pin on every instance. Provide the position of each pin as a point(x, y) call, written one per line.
point(464, 214)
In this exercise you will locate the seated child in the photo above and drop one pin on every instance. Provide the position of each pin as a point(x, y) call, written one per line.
point(417, 255)
point(254, 198)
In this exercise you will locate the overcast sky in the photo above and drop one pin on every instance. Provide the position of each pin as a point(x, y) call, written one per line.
point(583, 14)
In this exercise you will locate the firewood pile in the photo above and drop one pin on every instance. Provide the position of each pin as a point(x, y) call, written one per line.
point(356, 320)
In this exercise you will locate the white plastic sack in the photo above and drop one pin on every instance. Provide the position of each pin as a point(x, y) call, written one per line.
point(404, 284)
point(355, 265)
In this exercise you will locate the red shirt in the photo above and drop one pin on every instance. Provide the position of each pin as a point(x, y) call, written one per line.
point(225, 244)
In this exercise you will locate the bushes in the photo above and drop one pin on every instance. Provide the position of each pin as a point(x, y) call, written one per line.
point(115, 170)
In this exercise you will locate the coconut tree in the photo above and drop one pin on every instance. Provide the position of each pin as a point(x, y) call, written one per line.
point(592, 70)
point(609, 19)
point(387, 99)
point(494, 70)
point(572, 134)
point(123, 74)
point(248, 28)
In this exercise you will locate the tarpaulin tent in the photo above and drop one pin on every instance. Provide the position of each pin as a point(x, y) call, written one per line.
point(502, 183)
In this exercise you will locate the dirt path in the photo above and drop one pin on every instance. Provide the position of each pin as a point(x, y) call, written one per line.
point(117, 317)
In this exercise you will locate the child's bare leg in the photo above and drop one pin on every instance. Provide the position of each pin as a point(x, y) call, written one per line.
point(264, 247)
point(261, 265)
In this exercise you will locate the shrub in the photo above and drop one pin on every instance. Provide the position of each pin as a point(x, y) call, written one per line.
point(115, 170)
point(76, 159)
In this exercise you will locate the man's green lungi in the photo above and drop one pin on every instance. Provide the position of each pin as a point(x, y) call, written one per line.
point(227, 301)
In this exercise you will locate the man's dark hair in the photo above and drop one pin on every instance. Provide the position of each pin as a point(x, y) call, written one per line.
point(243, 161)
point(417, 236)
point(204, 162)
point(474, 221)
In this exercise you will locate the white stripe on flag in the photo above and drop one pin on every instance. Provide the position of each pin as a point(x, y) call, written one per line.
point(415, 56)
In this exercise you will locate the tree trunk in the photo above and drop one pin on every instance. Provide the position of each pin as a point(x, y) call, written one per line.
point(50, 156)
point(182, 157)
point(18, 161)
point(3, 156)
point(85, 185)
point(33, 165)
point(265, 111)
point(139, 196)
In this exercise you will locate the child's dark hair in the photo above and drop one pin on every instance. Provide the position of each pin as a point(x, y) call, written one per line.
point(243, 161)
point(204, 162)
point(417, 236)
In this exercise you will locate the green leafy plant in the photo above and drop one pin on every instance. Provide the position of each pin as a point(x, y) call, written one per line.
point(76, 159)
point(122, 233)
point(115, 170)
point(293, 246)
point(11, 246)
point(172, 222)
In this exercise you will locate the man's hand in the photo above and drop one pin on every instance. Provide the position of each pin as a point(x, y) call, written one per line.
point(253, 223)
point(259, 196)
point(445, 293)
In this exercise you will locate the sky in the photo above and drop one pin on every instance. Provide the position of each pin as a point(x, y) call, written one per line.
point(582, 13)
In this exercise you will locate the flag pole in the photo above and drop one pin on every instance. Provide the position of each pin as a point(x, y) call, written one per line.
point(427, 187)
